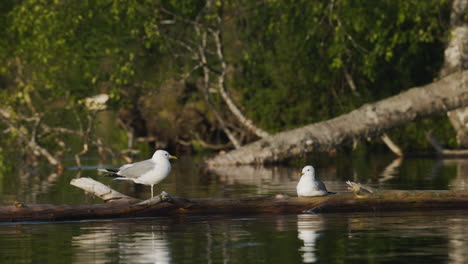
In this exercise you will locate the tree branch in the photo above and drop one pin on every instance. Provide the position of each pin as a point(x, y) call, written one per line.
point(368, 121)
point(224, 94)
point(391, 145)
point(441, 151)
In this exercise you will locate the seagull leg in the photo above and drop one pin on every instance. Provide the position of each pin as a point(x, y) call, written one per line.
point(152, 190)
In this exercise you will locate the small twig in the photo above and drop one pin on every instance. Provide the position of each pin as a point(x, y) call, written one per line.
point(350, 81)
point(211, 146)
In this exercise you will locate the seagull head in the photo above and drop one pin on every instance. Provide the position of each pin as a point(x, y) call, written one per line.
point(162, 154)
point(308, 170)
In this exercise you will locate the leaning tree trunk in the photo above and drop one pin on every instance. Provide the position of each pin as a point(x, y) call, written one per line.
point(119, 205)
point(368, 121)
point(248, 123)
point(456, 59)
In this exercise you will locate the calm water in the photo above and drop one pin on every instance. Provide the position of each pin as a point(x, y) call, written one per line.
point(416, 237)
point(412, 237)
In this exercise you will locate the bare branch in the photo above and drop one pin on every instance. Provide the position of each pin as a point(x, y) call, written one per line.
point(91, 117)
point(441, 151)
point(391, 145)
point(368, 121)
point(248, 123)
point(206, 78)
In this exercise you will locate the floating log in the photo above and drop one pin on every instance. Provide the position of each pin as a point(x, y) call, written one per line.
point(118, 205)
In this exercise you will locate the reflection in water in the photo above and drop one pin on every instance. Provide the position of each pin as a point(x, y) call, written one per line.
point(266, 180)
point(31, 184)
point(402, 237)
point(460, 182)
point(309, 227)
point(96, 245)
point(145, 247)
point(344, 238)
point(391, 170)
point(92, 247)
point(272, 180)
point(458, 233)
point(188, 179)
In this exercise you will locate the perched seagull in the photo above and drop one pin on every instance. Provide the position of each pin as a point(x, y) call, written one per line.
point(147, 172)
point(310, 186)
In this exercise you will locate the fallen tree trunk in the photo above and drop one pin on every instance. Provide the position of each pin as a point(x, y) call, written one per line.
point(368, 121)
point(117, 205)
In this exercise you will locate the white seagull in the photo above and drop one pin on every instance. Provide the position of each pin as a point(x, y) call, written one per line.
point(147, 172)
point(310, 186)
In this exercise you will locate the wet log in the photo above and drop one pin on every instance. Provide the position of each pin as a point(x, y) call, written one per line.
point(366, 122)
point(119, 205)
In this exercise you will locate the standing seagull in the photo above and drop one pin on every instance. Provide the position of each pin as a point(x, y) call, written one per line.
point(147, 172)
point(310, 186)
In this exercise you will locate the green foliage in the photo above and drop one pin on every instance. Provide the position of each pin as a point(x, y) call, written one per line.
point(295, 56)
point(58, 52)
point(290, 62)
point(77, 47)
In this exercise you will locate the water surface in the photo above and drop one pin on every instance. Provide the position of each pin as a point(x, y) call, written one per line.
point(331, 238)
point(416, 237)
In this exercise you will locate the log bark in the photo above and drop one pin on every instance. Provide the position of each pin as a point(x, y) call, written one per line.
point(366, 122)
point(167, 205)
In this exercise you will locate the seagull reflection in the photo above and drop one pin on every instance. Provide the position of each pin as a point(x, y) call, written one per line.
point(106, 243)
point(145, 247)
point(460, 182)
point(457, 234)
point(94, 246)
point(308, 228)
point(457, 231)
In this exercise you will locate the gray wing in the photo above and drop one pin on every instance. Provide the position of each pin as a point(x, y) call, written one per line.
point(137, 169)
point(321, 185)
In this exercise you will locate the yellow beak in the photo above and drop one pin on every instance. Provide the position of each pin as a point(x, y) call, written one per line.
point(173, 157)
point(300, 174)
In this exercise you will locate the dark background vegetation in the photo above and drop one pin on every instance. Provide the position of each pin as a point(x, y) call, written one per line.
point(289, 63)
